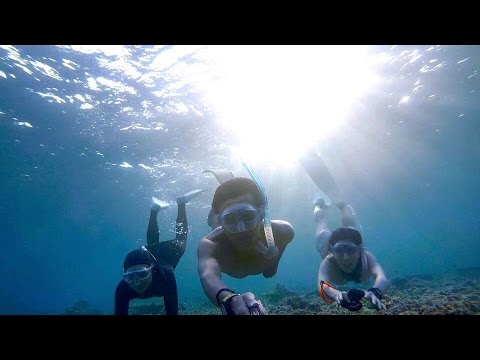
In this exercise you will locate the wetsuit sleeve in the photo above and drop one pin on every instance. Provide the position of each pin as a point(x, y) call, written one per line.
point(122, 298)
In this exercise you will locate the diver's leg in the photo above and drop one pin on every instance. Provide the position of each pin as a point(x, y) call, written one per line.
point(181, 227)
point(152, 230)
point(349, 217)
point(173, 250)
point(323, 233)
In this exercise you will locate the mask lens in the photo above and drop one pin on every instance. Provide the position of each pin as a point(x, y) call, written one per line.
point(249, 216)
point(230, 219)
point(141, 274)
point(343, 249)
point(129, 277)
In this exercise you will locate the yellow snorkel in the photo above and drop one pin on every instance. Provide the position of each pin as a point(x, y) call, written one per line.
point(269, 251)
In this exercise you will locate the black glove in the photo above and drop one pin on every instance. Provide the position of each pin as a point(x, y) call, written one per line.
point(355, 295)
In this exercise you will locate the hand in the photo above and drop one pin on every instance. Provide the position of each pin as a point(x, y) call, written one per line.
point(350, 300)
point(238, 306)
point(255, 306)
point(340, 297)
point(370, 296)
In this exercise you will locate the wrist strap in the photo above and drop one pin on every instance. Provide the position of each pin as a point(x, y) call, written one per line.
point(323, 294)
point(228, 297)
point(217, 296)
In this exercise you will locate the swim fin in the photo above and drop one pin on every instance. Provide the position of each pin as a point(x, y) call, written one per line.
point(189, 196)
point(320, 174)
point(222, 175)
point(158, 204)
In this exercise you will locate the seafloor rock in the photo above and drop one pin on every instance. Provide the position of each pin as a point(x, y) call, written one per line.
point(400, 282)
point(155, 307)
point(278, 293)
point(82, 307)
point(296, 302)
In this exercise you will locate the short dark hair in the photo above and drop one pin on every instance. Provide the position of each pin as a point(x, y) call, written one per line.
point(234, 188)
point(137, 257)
point(346, 233)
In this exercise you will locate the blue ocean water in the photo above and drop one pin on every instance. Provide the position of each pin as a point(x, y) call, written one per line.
point(89, 134)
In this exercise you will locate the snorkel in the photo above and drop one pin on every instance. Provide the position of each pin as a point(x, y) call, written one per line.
point(269, 251)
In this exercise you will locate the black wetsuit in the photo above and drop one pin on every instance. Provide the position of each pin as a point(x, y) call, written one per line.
point(163, 284)
point(168, 254)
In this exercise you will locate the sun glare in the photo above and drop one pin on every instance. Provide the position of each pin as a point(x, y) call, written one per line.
point(278, 100)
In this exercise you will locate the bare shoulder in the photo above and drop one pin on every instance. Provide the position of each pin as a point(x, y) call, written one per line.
point(370, 257)
point(372, 260)
point(214, 235)
point(208, 244)
point(328, 266)
point(331, 272)
point(284, 229)
point(329, 260)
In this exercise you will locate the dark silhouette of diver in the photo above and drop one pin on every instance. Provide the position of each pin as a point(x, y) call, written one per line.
point(149, 271)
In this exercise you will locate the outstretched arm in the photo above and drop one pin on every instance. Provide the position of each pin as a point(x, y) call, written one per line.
point(122, 299)
point(349, 301)
point(325, 275)
point(170, 299)
point(210, 272)
point(379, 277)
point(380, 284)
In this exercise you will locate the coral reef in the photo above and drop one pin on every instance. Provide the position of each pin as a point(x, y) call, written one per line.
point(278, 293)
point(456, 293)
point(154, 307)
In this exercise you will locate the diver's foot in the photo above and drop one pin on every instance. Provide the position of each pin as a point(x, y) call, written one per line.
point(158, 205)
point(347, 210)
point(189, 196)
point(341, 205)
point(349, 218)
point(320, 202)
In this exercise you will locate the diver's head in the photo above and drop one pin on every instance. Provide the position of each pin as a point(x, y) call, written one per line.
point(138, 266)
point(238, 205)
point(234, 188)
point(346, 245)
